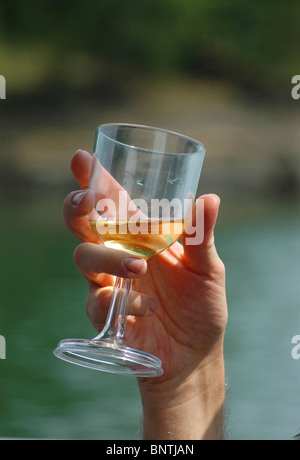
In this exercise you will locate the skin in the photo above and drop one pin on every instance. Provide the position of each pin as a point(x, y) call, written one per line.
point(178, 312)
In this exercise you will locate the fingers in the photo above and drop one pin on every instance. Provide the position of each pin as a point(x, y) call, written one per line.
point(76, 207)
point(94, 262)
point(99, 299)
point(81, 166)
point(202, 257)
point(211, 210)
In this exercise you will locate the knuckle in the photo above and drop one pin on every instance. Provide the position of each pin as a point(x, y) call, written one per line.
point(79, 253)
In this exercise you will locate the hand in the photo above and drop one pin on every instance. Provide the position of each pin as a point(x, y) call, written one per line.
point(178, 309)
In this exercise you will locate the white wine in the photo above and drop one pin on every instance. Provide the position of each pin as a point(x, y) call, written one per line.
point(142, 238)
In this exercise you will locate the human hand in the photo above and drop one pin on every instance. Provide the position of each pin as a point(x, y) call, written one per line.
point(178, 309)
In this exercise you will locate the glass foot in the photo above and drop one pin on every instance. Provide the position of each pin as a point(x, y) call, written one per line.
point(108, 356)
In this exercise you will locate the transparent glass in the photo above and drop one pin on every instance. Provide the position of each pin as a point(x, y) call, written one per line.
point(144, 181)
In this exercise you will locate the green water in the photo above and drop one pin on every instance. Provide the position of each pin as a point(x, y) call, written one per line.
point(42, 300)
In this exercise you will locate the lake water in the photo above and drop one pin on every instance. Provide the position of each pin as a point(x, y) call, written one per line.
point(42, 300)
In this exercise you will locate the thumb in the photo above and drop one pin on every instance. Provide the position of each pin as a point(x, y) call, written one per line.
point(201, 256)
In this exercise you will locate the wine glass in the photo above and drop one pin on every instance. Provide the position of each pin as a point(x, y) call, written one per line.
point(144, 181)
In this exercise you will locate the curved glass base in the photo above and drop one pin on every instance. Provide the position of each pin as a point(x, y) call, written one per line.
point(108, 356)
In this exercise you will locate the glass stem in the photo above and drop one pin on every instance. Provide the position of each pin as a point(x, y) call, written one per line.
point(114, 328)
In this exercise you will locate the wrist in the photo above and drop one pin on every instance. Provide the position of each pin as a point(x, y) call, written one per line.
point(189, 407)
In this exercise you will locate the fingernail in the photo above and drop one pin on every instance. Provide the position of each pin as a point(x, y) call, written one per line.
point(134, 265)
point(79, 151)
point(217, 196)
point(78, 198)
point(152, 305)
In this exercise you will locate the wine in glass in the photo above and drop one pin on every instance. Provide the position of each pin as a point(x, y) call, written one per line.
point(144, 181)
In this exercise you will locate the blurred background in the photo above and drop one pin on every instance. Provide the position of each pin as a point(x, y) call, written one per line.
point(218, 71)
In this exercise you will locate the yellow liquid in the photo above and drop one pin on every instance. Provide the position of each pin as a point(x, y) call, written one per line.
point(144, 238)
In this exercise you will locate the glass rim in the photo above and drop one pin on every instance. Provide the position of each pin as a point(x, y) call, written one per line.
point(201, 148)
